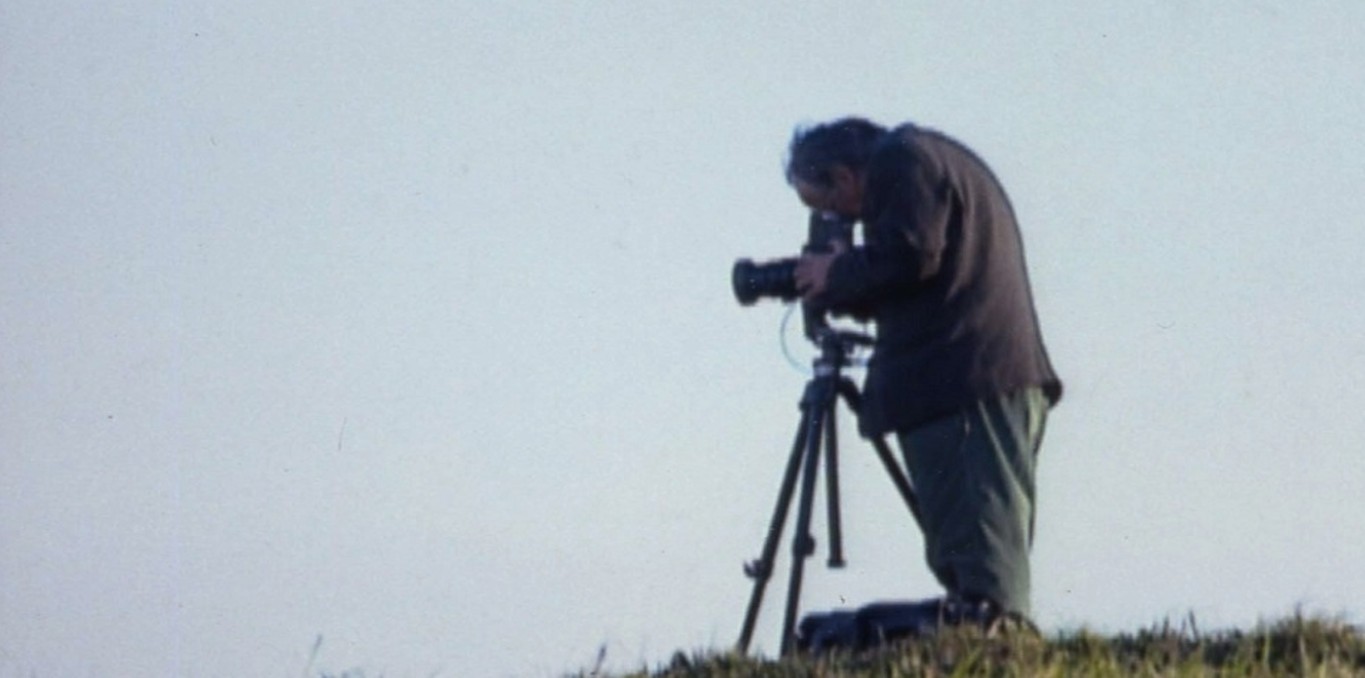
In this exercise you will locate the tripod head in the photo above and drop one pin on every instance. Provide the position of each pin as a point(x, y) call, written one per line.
point(837, 348)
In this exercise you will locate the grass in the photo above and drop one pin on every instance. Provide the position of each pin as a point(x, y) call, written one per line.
point(1297, 646)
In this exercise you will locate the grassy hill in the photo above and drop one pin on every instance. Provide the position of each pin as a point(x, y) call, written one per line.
point(1297, 646)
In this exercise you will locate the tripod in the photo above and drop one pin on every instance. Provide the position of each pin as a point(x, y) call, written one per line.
point(818, 414)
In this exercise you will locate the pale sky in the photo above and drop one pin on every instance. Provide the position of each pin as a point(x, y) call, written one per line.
point(408, 326)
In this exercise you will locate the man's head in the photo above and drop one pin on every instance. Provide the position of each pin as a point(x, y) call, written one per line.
point(826, 164)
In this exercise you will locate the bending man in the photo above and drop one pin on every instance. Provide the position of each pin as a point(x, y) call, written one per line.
point(959, 373)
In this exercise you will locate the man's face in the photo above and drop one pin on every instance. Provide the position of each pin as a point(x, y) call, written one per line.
point(844, 195)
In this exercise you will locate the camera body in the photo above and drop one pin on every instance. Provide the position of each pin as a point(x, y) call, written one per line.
point(777, 279)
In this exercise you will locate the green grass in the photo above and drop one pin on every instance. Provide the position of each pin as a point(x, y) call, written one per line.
point(1297, 646)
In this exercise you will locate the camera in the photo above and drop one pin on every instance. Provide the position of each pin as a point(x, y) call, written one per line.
point(777, 279)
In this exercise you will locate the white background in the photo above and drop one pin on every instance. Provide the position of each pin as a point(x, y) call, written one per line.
point(408, 325)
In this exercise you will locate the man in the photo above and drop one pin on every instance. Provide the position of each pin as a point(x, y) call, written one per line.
point(959, 372)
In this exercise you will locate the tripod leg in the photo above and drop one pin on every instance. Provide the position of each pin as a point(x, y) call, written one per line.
point(836, 534)
point(803, 545)
point(760, 570)
point(850, 393)
point(898, 478)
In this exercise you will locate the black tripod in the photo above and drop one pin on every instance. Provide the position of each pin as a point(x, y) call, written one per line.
point(818, 414)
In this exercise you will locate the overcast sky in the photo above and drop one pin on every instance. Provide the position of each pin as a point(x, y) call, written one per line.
point(407, 326)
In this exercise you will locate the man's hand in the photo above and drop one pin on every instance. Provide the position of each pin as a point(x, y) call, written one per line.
point(812, 271)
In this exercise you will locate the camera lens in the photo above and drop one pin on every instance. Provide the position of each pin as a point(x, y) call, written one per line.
point(754, 281)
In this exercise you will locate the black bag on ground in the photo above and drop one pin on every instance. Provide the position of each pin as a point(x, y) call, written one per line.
point(868, 626)
point(884, 622)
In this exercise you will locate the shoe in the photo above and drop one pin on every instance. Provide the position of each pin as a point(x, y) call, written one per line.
point(987, 614)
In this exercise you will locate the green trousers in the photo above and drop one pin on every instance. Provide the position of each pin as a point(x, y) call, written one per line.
point(973, 472)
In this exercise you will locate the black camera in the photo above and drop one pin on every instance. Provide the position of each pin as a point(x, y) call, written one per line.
point(777, 279)
point(774, 279)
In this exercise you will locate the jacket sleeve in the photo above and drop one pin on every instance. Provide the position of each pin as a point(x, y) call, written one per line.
point(908, 208)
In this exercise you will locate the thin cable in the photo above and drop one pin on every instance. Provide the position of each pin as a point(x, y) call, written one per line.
point(786, 350)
